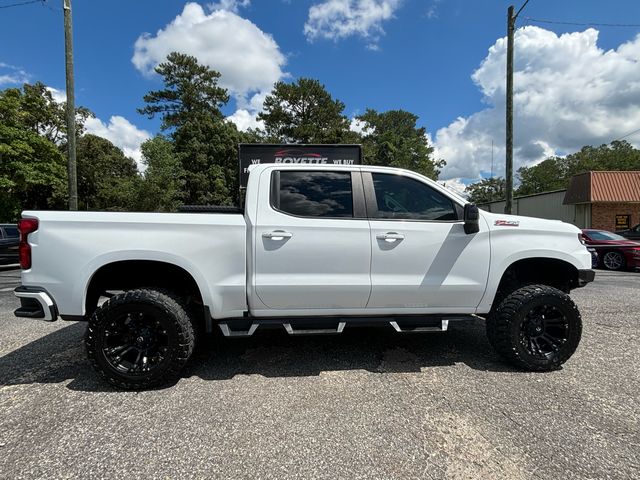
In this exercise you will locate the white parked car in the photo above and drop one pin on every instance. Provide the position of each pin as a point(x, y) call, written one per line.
point(318, 249)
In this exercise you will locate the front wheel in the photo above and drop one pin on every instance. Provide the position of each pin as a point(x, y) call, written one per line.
point(613, 261)
point(139, 339)
point(536, 327)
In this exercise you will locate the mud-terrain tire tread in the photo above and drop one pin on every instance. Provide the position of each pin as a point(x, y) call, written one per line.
point(176, 310)
point(500, 319)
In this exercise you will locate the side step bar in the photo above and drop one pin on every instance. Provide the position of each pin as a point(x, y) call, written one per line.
point(227, 332)
point(444, 324)
point(248, 328)
point(314, 331)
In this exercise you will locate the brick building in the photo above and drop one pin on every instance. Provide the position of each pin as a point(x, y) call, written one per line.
point(611, 199)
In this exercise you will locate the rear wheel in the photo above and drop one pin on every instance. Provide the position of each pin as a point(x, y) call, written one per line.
point(140, 339)
point(613, 261)
point(536, 327)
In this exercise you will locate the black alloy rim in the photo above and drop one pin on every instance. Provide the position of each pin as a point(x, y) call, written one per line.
point(135, 343)
point(544, 331)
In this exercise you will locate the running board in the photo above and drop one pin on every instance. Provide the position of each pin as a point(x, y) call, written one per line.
point(227, 332)
point(444, 324)
point(314, 331)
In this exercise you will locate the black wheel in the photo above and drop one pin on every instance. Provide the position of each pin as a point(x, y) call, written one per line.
point(614, 261)
point(535, 328)
point(139, 339)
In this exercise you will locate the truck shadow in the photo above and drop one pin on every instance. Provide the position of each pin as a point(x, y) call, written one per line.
point(60, 356)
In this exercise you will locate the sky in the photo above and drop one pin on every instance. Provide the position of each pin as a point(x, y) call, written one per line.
point(575, 83)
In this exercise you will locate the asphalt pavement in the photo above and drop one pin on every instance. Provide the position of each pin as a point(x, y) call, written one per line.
point(367, 404)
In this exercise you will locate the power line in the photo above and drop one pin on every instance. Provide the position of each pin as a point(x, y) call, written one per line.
point(22, 3)
point(589, 24)
point(627, 135)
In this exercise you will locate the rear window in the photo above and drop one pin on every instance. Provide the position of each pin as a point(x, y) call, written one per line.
point(313, 194)
point(603, 235)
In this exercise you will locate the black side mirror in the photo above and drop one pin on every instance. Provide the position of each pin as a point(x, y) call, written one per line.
point(471, 219)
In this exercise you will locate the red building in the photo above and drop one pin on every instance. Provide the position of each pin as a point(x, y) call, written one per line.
point(611, 199)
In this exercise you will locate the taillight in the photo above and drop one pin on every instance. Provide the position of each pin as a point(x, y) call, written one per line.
point(25, 227)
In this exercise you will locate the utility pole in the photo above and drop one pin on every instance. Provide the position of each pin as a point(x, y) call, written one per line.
point(511, 23)
point(511, 27)
point(71, 108)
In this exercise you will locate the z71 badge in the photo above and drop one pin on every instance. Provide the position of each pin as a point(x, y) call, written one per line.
point(507, 223)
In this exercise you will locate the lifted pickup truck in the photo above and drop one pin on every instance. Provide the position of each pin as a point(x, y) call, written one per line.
point(318, 249)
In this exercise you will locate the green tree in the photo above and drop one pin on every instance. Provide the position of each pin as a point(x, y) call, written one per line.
point(204, 142)
point(548, 175)
point(162, 185)
point(32, 167)
point(304, 112)
point(393, 139)
point(107, 179)
point(555, 172)
point(487, 190)
point(32, 173)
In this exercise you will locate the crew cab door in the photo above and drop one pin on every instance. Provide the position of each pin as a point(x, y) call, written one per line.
point(312, 241)
point(421, 256)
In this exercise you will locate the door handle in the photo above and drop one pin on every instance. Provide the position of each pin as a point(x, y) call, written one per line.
point(390, 237)
point(277, 235)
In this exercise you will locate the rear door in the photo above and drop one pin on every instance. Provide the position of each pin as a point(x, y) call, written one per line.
point(312, 245)
point(421, 256)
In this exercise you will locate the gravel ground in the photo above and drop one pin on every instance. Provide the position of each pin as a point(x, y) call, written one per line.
point(367, 404)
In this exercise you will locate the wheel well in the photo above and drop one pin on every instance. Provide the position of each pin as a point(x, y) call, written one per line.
point(545, 271)
point(132, 274)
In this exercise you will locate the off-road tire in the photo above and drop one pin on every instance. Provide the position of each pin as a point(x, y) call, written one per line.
point(178, 329)
point(505, 325)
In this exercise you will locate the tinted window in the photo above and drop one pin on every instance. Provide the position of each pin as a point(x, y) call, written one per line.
point(406, 198)
point(11, 231)
point(315, 194)
point(603, 235)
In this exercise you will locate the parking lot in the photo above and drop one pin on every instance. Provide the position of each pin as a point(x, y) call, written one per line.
point(367, 404)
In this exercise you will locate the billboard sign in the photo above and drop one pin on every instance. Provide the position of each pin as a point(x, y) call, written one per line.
point(259, 153)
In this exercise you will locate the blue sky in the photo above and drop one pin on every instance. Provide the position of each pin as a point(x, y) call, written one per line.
point(418, 55)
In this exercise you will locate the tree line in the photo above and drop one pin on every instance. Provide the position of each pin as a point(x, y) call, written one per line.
point(555, 172)
point(194, 160)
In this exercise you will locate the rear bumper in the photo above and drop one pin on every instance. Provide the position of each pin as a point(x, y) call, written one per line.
point(35, 303)
point(585, 276)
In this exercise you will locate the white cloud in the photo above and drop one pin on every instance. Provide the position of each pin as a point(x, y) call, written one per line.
point(338, 19)
point(122, 134)
point(249, 59)
point(432, 11)
point(568, 93)
point(359, 126)
point(245, 119)
point(59, 96)
point(12, 75)
point(229, 5)
point(456, 185)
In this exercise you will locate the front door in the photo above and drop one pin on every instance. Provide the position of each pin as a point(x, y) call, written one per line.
point(421, 256)
point(313, 247)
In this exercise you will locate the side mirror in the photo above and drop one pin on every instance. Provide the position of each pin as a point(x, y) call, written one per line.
point(471, 219)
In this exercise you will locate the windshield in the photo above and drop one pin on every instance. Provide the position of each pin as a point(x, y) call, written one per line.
point(602, 235)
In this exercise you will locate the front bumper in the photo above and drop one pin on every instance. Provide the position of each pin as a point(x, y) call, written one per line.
point(35, 303)
point(585, 276)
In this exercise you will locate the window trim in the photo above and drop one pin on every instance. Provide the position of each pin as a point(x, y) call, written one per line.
point(357, 194)
point(372, 202)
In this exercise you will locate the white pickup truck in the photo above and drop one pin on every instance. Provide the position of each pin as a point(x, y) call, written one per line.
point(318, 249)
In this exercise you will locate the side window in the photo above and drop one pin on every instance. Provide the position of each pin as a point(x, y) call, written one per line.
point(313, 194)
point(399, 197)
point(12, 231)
